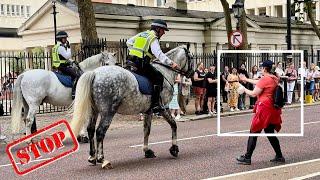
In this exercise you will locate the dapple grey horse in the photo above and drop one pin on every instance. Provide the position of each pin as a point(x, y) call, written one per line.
point(36, 86)
point(111, 89)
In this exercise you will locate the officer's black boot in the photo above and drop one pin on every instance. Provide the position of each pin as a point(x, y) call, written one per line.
point(74, 88)
point(155, 100)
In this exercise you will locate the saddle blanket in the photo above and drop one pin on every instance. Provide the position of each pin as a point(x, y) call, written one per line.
point(145, 86)
point(64, 79)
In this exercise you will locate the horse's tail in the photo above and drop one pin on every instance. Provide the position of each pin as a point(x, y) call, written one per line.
point(83, 102)
point(17, 106)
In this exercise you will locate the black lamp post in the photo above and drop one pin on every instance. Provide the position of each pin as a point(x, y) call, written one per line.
point(288, 38)
point(54, 20)
point(238, 8)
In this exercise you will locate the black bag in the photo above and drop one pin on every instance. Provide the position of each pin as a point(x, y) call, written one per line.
point(278, 97)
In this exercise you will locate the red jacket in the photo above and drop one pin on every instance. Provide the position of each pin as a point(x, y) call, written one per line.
point(265, 114)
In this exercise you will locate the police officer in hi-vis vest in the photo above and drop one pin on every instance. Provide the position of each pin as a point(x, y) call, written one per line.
point(142, 48)
point(61, 54)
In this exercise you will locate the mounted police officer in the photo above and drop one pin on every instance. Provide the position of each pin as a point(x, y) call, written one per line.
point(142, 48)
point(61, 54)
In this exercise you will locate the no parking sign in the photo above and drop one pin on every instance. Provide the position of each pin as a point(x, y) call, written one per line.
point(236, 38)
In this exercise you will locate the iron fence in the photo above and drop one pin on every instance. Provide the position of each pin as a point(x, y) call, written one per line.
point(13, 64)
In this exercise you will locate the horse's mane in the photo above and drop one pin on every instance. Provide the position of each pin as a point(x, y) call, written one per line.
point(90, 61)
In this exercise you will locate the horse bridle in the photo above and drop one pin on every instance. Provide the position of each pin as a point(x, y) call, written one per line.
point(187, 73)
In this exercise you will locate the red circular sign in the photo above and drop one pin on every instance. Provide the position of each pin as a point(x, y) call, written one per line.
point(236, 38)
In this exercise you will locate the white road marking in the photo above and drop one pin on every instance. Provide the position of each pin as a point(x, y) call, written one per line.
point(209, 135)
point(29, 162)
point(264, 169)
point(306, 176)
point(183, 139)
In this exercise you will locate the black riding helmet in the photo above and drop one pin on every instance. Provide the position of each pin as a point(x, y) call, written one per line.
point(61, 34)
point(160, 23)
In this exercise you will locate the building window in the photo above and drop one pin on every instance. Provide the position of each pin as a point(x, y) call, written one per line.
point(22, 10)
point(18, 10)
point(2, 9)
point(28, 11)
point(13, 10)
point(8, 10)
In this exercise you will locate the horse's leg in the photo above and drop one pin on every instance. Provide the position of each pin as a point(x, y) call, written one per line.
point(106, 119)
point(82, 138)
point(148, 153)
point(174, 150)
point(30, 118)
point(34, 126)
point(91, 129)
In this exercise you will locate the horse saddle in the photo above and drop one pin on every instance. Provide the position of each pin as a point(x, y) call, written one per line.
point(145, 86)
point(64, 79)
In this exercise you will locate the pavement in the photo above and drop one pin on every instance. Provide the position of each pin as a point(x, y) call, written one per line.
point(193, 117)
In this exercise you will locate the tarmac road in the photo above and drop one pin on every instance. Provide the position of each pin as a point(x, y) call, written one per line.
point(202, 153)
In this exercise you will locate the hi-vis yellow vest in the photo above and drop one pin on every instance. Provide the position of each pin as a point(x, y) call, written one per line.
point(56, 61)
point(142, 44)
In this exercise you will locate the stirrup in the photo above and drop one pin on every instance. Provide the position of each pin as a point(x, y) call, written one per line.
point(158, 108)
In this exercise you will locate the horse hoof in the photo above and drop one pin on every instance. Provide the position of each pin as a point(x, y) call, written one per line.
point(92, 160)
point(149, 154)
point(100, 160)
point(174, 150)
point(83, 139)
point(106, 165)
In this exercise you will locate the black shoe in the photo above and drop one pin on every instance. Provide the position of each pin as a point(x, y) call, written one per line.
point(243, 160)
point(278, 160)
point(198, 113)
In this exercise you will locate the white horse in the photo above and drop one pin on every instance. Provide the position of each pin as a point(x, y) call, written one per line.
point(36, 86)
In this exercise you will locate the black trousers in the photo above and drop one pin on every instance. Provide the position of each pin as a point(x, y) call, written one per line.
point(68, 71)
point(224, 93)
point(145, 69)
point(252, 141)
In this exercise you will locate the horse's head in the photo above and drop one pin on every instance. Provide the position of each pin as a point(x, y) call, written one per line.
point(184, 59)
point(108, 58)
point(95, 61)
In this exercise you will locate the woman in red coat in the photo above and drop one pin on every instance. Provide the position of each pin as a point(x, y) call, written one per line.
point(266, 116)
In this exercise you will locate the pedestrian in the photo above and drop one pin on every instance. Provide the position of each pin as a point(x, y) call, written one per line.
point(224, 76)
point(242, 97)
point(211, 89)
point(253, 75)
point(143, 47)
point(280, 74)
point(174, 105)
point(184, 93)
point(233, 82)
point(291, 74)
point(266, 117)
point(198, 84)
point(316, 79)
point(311, 80)
point(302, 74)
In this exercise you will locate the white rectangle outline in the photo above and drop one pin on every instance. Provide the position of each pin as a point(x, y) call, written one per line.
point(256, 134)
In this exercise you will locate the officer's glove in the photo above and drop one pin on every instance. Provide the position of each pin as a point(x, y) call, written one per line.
point(67, 44)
